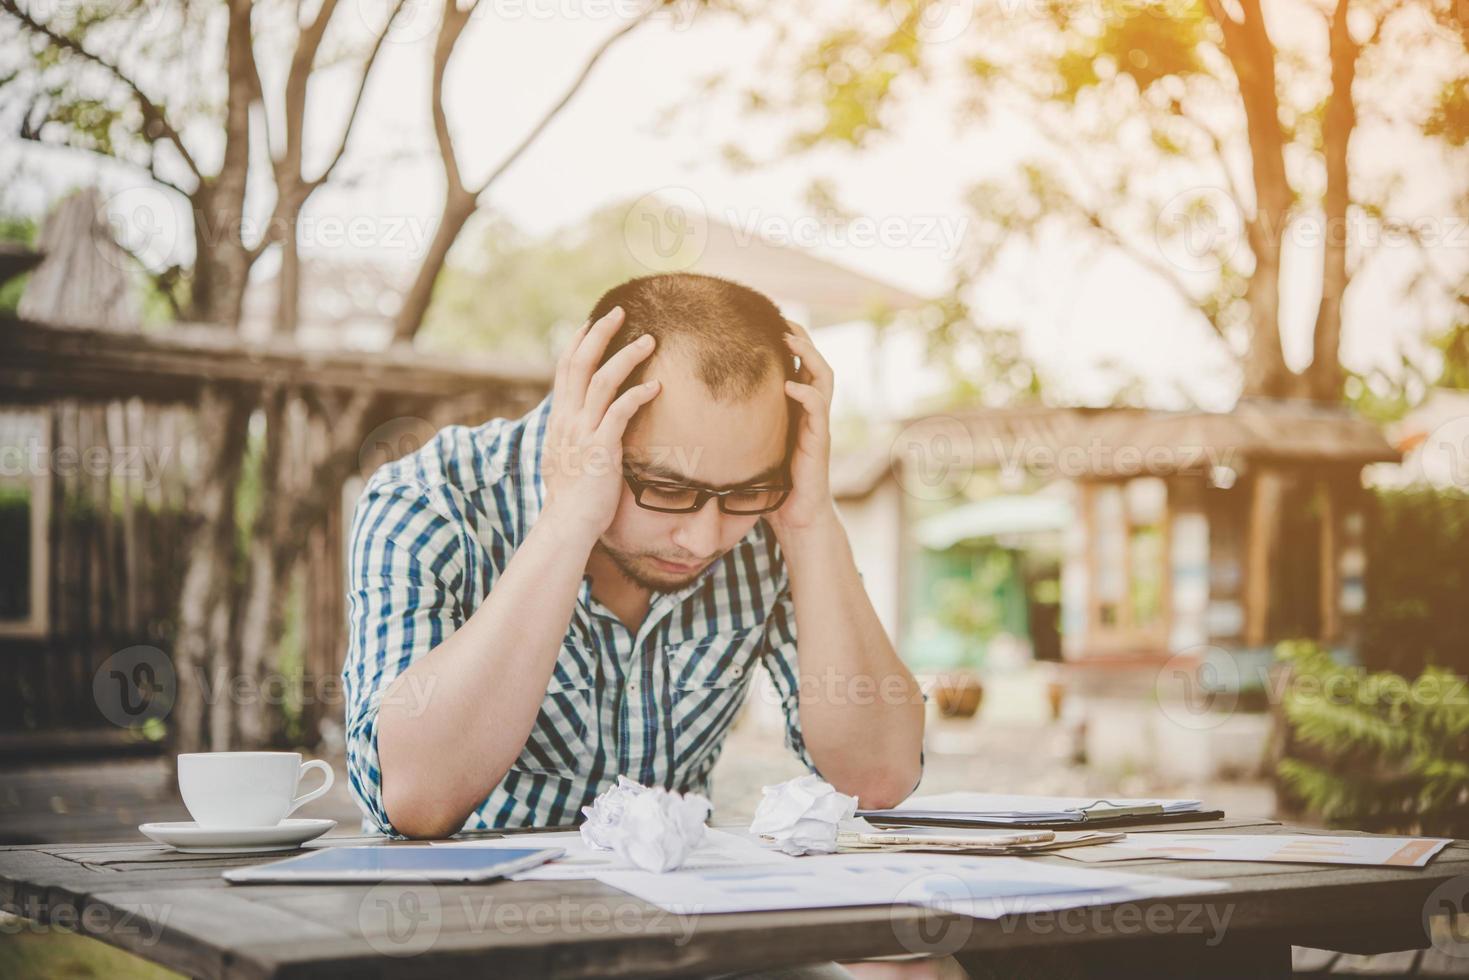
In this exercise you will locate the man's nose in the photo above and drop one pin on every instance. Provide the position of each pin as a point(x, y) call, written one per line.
point(698, 533)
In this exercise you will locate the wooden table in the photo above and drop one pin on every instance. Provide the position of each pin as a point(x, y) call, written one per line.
point(174, 909)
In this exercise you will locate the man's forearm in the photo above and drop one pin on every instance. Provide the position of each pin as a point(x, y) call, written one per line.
point(452, 723)
point(861, 709)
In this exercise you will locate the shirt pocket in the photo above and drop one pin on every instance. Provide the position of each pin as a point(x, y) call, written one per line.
point(557, 744)
point(707, 681)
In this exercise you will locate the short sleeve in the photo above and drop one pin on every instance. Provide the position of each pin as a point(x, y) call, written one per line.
point(406, 575)
point(779, 658)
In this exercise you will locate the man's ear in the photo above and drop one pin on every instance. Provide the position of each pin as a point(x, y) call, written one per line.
point(792, 360)
point(793, 415)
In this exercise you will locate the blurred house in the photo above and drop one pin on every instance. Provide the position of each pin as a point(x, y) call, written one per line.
point(1186, 544)
point(814, 291)
point(846, 307)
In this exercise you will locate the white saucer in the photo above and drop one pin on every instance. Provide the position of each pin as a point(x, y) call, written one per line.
point(190, 838)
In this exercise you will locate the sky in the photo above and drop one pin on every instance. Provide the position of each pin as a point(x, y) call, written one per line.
point(642, 126)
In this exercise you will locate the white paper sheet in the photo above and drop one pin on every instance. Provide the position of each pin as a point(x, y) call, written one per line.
point(1008, 808)
point(1401, 852)
point(720, 849)
point(984, 887)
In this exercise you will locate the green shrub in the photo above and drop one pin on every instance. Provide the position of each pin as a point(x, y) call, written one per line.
point(1373, 750)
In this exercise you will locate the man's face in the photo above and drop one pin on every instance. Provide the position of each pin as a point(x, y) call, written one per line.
point(686, 436)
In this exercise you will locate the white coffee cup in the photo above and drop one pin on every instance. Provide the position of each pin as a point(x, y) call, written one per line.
point(245, 789)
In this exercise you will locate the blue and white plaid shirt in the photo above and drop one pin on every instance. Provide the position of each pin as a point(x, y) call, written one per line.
point(432, 532)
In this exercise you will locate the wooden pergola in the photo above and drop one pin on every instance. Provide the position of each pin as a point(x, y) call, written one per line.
point(108, 538)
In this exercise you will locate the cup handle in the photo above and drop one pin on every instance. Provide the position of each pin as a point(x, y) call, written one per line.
point(331, 777)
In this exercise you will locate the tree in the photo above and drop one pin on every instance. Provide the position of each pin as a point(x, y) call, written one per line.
point(1194, 137)
point(87, 82)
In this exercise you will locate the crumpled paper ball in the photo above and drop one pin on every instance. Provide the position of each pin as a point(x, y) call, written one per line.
point(649, 827)
point(802, 815)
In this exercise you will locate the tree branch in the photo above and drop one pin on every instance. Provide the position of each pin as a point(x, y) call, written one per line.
point(252, 69)
point(357, 99)
point(459, 202)
point(569, 94)
point(32, 134)
point(155, 122)
point(1158, 268)
point(1413, 235)
point(1235, 191)
point(298, 78)
point(450, 29)
point(1099, 223)
point(292, 187)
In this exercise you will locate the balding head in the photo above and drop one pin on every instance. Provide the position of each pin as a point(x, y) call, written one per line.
point(729, 334)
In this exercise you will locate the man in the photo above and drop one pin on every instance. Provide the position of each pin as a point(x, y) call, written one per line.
point(539, 605)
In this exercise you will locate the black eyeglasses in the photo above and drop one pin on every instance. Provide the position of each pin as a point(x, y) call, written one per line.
point(676, 498)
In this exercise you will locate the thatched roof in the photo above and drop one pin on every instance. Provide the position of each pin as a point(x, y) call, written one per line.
point(1105, 443)
point(1257, 430)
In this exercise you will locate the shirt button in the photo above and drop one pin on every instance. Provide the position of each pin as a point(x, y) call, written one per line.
point(632, 685)
point(738, 670)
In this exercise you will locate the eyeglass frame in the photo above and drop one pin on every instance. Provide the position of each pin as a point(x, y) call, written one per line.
point(702, 494)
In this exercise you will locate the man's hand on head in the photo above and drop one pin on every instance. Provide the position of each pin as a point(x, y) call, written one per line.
point(581, 464)
point(810, 503)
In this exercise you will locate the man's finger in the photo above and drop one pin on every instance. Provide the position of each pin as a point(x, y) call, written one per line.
point(621, 411)
point(584, 359)
point(812, 362)
point(610, 376)
point(813, 401)
point(796, 330)
point(563, 363)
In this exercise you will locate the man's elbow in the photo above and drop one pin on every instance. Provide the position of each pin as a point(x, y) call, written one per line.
point(881, 789)
point(887, 794)
point(417, 814)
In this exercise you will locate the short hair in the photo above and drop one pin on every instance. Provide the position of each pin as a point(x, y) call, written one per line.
point(734, 333)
